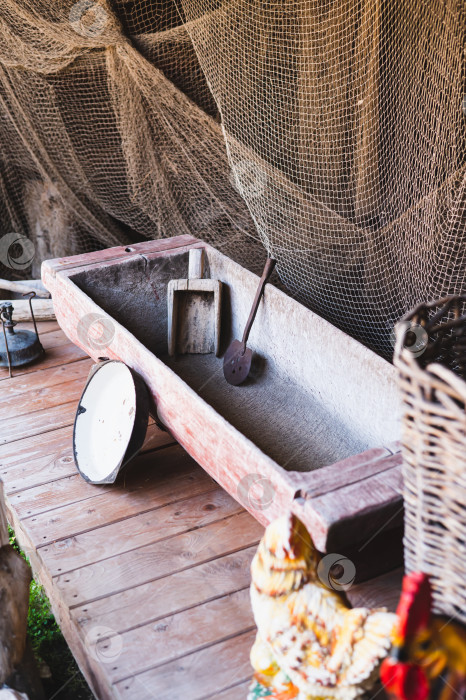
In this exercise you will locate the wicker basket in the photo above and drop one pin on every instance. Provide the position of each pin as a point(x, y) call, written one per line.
point(430, 355)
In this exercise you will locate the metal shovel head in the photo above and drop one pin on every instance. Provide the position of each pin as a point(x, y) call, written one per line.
point(238, 358)
point(237, 363)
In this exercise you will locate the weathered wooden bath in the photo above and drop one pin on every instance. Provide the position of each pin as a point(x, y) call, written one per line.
point(318, 424)
point(149, 577)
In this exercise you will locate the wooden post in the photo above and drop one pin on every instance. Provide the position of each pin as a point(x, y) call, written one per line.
point(15, 577)
point(4, 539)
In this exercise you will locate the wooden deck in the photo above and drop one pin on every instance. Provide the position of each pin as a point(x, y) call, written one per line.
point(148, 578)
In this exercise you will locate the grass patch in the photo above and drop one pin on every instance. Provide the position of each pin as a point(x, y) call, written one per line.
point(50, 648)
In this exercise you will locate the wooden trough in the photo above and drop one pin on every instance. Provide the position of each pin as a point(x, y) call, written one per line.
point(314, 432)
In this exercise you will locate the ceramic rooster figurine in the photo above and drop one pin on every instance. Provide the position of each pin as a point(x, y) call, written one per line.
point(310, 644)
point(428, 659)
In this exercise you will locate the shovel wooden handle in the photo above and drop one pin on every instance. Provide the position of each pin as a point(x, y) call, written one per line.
point(268, 269)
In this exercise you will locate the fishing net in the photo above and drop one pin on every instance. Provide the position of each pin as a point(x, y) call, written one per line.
point(332, 134)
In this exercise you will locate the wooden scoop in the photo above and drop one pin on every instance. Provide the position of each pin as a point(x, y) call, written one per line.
point(238, 358)
point(194, 310)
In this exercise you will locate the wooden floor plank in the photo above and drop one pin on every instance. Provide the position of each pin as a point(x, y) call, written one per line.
point(169, 595)
point(157, 560)
point(42, 326)
point(50, 467)
point(53, 495)
point(91, 507)
point(54, 357)
point(36, 423)
point(131, 494)
point(44, 380)
point(26, 470)
point(27, 450)
point(34, 447)
point(380, 592)
point(54, 339)
point(137, 531)
point(238, 692)
point(199, 675)
point(21, 407)
point(172, 637)
point(157, 438)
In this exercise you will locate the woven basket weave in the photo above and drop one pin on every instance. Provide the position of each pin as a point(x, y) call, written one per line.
point(430, 355)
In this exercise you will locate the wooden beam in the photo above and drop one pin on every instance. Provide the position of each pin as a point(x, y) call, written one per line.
point(25, 286)
point(15, 576)
point(4, 539)
point(43, 309)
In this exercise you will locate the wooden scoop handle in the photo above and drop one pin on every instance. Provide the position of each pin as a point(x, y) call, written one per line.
point(196, 264)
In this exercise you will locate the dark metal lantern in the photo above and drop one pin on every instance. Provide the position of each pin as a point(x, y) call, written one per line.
point(18, 348)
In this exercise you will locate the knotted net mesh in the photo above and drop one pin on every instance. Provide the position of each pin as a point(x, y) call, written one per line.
point(331, 133)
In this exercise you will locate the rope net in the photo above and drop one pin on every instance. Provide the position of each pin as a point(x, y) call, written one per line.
point(332, 134)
